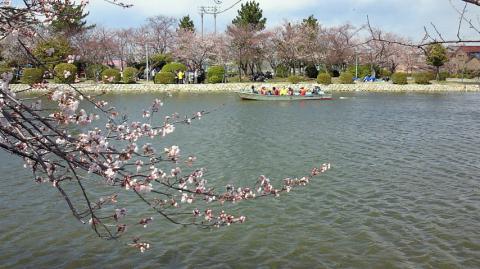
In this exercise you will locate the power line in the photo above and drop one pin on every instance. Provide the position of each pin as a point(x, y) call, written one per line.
point(215, 10)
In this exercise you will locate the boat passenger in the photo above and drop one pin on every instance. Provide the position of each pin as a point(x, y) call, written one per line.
point(283, 91)
point(253, 89)
point(290, 91)
point(276, 91)
point(303, 91)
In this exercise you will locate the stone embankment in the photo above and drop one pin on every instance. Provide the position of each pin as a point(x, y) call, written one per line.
point(234, 87)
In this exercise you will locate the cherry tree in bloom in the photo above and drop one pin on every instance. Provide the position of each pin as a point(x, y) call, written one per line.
point(99, 162)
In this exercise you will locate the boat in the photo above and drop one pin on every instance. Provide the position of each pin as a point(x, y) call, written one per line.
point(260, 97)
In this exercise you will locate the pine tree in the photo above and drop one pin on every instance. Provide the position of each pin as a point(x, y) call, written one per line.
point(436, 56)
point(70, 19)
point(250, 14)
point(310, 22)
point(186, 24)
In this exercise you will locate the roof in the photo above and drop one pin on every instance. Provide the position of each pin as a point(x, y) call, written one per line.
point(469, 49)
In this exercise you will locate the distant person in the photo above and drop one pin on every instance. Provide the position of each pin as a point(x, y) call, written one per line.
point(181, 75)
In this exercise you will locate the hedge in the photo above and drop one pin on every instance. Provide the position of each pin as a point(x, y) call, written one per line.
point(111, 76)
point(32, 75)
point(215, 74)
point(399, 78)
point(294, 79)
point(65, 73)
point(422, 78)
point(324, 78)
point(129, 75)
point(346, 78)
point(164, 78)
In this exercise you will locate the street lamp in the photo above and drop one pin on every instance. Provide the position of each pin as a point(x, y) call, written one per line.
point(146, 55)
point(356, 64)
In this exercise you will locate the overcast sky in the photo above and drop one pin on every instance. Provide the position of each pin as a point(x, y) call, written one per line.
point(405, 17)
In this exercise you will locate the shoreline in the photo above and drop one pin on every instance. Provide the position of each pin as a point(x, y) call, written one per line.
point(235, 87)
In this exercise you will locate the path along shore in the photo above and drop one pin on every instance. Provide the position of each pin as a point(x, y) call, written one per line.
point(235, 87)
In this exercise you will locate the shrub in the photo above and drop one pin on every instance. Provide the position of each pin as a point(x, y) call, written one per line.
point(311, 71)
point(324, 78)
point(65, 73)
point(399, 78)
point(282, 71)
point(8, 70)
point(164, 78)
point(346, 78)
point(294, 79)
point(111, 75)
point(32, 75)
point(422, 78)
point(215, 74)
point(173, 67)
point(129, 75)
point(363, 70)
point(442, 76)
point(94, 71)
point(385, 73)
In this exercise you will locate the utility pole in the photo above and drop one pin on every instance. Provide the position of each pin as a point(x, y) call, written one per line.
point(202, 12)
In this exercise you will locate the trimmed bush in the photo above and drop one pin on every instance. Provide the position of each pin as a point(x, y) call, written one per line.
point(324, 78)
point(282, 71)
point(399, 78)
point(111, 76)
point(129, 75)
point(311, 71)
point(442, 76)
point(8, 70)
point(164, 78)
point(385, 73)
point(65, 73)
point(32, 75)
point(215, 74)
point(294, 79)
point(173, 67)
point(363, 70)
point(346, 78)
point(422, 78)
point(94, 71)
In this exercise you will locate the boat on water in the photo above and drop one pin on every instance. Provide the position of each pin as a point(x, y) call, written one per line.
point(261, 97)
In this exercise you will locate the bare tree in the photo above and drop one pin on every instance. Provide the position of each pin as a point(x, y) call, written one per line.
point(161, 32)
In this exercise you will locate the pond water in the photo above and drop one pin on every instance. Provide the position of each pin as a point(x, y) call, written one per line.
point(403, 191)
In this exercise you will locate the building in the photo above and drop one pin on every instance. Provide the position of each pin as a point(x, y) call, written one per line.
point(464, 59)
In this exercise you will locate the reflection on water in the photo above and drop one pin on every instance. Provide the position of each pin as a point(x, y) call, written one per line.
point(403, 191)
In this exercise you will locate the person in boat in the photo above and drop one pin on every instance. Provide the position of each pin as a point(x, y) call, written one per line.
point(254, 90)
point(262, 91)
point(283, 91)
point(290, 91)
point(303, 91)
point(276, 91)
point(315, 90)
